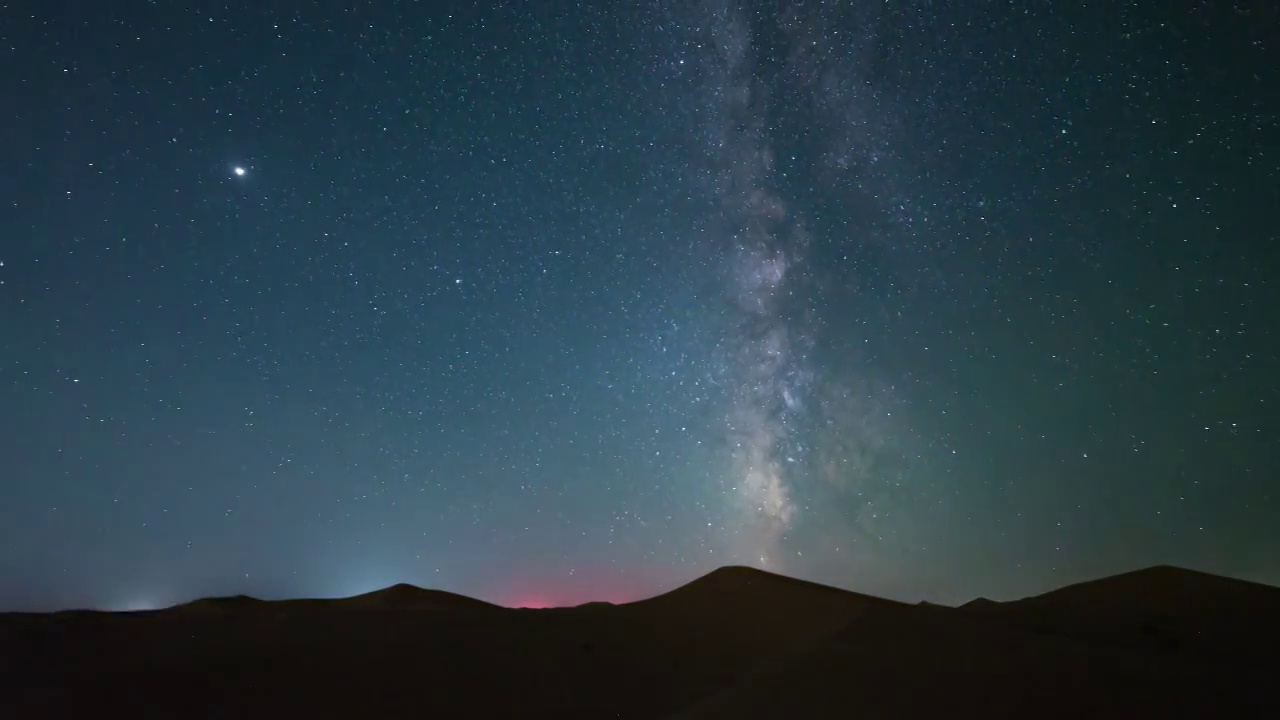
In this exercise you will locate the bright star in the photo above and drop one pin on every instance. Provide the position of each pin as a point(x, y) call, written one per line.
point(239, 171)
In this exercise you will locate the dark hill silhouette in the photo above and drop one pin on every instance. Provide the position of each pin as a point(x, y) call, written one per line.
point(746, 586)
point(404, 595)
point(1158, 642)
point(741, 618)
point(980, 604)
point(1164, 589)
point(1160, 609)
point(230, 603)
point(736, 643)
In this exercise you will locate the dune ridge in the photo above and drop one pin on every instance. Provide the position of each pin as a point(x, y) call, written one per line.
point(735, 643)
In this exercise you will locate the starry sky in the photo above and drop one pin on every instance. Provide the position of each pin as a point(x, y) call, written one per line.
point(549, 302)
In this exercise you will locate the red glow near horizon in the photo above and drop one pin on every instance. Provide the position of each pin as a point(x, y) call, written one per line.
point(536, 601)
point(579, 588)
point(570, 597)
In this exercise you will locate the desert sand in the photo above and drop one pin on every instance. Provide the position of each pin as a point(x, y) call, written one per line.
point(735, 643)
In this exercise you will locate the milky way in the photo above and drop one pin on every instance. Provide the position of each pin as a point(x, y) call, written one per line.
point(770, 372)
point(812, 441)
point(566, 303)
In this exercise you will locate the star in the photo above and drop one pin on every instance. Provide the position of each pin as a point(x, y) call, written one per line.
point(762, 308)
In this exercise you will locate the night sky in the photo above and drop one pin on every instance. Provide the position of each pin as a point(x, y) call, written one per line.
point(545, 303)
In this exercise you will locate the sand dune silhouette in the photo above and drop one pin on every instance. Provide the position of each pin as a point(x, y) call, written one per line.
point(406, 596)
point(735, 643)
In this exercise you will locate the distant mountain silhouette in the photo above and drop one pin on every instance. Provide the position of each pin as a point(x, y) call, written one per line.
point(735, 643)
point(745, 612)
point(230, 603)
point(738, 584)
point(980, 604)
point(404, 595)
point(1161, 609)
point(1164, 589)
point(1162, 642)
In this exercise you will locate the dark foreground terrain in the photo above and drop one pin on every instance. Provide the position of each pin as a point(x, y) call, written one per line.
point(736, 643)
